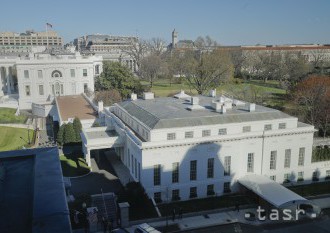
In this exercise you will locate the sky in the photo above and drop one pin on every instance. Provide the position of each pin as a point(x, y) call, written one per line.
point(229, 22)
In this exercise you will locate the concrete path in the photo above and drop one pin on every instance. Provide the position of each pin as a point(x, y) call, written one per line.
point(102, 176)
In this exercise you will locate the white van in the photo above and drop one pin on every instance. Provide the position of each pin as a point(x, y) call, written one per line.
point(145, 228)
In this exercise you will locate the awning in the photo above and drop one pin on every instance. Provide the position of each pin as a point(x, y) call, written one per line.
point(271, 191)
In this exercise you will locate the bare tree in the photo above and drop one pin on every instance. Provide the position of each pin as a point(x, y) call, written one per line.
point(237, 58)
point(151, 67)
point(157, 46)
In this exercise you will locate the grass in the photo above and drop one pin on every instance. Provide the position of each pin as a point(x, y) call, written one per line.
point(317, 188)
point(210, 203)
point(7, 115)
point(10, 138)
point(274, 94)
point(73, 166)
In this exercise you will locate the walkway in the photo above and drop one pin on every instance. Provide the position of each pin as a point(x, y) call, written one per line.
point(102, 176)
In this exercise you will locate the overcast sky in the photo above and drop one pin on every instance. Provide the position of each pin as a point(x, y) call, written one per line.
point(230, 22)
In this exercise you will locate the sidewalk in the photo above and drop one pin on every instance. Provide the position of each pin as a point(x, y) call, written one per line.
point(221, 218)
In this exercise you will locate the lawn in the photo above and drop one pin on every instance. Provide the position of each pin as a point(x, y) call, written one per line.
point(7, 115)
point(210, 203)
point(73, 166)
point(275, 95)
point(10, 138)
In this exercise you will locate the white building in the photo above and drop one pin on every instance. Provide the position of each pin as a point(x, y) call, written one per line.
point(184, 148)
point(40, 77)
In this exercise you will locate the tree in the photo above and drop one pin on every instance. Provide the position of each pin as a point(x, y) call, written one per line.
point(156, 46)
point(205, 70)
point(69, 134)
point(109, 97)
point(119, 77)
point(77, 128)
point(60, 135)
point(312, 96)
point(237, 58)
point(151, 67)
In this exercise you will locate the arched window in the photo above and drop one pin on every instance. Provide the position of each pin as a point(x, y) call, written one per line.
point(56, 74)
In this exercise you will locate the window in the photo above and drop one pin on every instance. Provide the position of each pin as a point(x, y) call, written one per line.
point(226, 187)
point(175, 172)
point(97, 69)
point(246, 129)
point(268, 127)
point(26, 74)
point(206, 133)
point(315, 176)
point(301, 156)
point(227, 166)
point(282, 125)
point(287, 158)
point(62, 89)
point(327, 173)
point(193, 170)
point(171, 136)
point(273, 178)
point(210, 190)
point(189, 134)
point(286, 178)
point(300, 176)
point(128, 160)
point(210, 168)
point(193, 192)
point(73, 73)
point(41, 89)
point(273, 155)
point(135, 167)
point(158, 197)
point(157, 174)
point(39, 73)
point(84, 72)
point(175, 195)
point(250, 162)
point(222, 132)
point(27, 90)
point(56, 74)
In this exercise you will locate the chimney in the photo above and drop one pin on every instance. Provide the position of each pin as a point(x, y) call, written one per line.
point(213, 93)
point(133, 96)
point(194, 100)
point(100, 106)
point(148, 95)
point(252, 107)
point(223, 109)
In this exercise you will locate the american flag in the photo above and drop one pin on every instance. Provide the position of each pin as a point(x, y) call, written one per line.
point(49, 25)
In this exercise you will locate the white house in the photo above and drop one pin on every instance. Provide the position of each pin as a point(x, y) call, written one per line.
point(182, 148)
point(41, 77)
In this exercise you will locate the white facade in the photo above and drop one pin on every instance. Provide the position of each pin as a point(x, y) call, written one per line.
point(246, 142)
point(39, 78)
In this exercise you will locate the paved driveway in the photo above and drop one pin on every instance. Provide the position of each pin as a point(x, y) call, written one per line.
point(102, 176)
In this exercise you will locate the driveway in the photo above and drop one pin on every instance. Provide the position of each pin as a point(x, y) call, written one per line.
point(102, 177)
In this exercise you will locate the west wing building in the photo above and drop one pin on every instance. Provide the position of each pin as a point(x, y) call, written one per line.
point(194, 147)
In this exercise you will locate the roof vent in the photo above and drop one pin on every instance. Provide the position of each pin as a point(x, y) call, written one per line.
point(181, 95)
point(133, 96)
point(100, 106)
point(194, 100)
point(252, 107)
point(195, 104)
point(148, 95)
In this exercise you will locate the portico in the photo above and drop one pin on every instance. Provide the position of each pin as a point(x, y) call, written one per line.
point(8, 80)
point(100, 138)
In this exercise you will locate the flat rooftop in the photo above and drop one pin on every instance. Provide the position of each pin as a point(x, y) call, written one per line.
point(72, 106)
point(104, 134)
point(32, 193)
point(171, 112)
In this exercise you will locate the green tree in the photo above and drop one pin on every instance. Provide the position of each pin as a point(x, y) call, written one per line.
point(69, 134)
point(60, 135)
point(77, 128)
point(119, 77)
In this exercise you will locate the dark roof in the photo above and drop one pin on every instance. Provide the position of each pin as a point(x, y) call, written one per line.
point(171, 112)
point(33, 196)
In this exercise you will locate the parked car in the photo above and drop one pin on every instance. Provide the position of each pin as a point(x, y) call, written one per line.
point(119, 230)
point(145, 228)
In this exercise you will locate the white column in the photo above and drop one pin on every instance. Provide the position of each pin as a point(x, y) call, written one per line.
point(1, 91)
point(8, 81)
point(88, 157)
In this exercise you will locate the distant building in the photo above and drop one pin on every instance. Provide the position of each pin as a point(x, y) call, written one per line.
point(111, 48)
point(32, 197)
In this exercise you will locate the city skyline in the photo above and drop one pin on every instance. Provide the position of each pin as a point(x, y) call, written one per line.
point(228, 22)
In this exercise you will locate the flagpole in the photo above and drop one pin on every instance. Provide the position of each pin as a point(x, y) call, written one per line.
point(47, 35)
